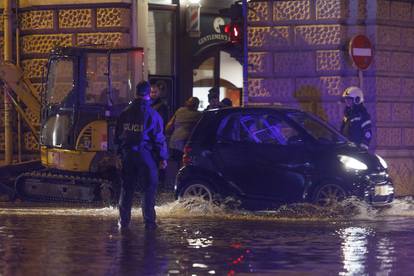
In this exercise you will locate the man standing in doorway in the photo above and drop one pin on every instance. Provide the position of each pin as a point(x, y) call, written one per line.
point(157, 102)
point(214, 98)
point(356, 124)
point(139, 136)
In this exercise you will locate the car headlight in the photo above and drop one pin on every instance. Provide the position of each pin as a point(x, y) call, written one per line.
point(352, 163)
point(382, 161)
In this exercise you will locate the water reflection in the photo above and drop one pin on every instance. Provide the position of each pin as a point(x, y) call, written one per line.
point(354, 250)
point(68, 241)
point(139, 254)
point(386, 255)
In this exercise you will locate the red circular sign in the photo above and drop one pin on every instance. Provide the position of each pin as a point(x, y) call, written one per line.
point(361, 51)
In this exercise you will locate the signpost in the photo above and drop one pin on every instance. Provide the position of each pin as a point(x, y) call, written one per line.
point(361, 53)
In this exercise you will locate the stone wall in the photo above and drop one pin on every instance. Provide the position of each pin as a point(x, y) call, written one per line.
point(298, 56)
point(395, 90)
point(44, 27)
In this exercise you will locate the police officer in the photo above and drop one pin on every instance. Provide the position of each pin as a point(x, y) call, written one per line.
point(356, 124)
point(139, 136)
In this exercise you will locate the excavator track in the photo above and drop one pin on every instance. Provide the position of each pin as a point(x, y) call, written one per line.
point(58, 186)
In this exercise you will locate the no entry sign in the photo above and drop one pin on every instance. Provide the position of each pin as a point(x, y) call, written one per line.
point(361, 52)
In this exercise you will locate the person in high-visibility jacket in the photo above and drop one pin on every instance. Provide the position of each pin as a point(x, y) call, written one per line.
point(356, 124)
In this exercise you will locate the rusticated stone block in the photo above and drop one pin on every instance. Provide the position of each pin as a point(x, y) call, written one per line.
point(329, 60)
point(1, 115)
point(328, 9)
point(402, 62)
point(36, 20)
point(383, 8)
point(408, 136)
point(308, 89)
point(317, 35)
point(294, 63)
point(109, 39)
point(407, 87)
point(268, 37)
point(43, 44)
point(257, 88)
point(33, 68)
point(331, 112)
point(388, 136)
point(30, 143)
point(334, 86)
point(113, 17)
point(322, 88)
point(304, 106)
point(260, 63)
point(402, 112)
point(291, 10)
point(38, 89)
point(258, 11)
point(402, 174)
point(278, 89)
point(1, 48)
point(2, 141)
point(382, 61)
point(400, 11)
point(388, 87)
point(75, 18)
point(383, 112)
point(362, 8)
point(388, 36)
point(407, 40)
point(33, 118)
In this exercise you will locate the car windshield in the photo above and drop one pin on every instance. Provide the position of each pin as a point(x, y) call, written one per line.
point(318, 129)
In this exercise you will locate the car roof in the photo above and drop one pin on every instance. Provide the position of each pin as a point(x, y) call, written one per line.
point(229, 110)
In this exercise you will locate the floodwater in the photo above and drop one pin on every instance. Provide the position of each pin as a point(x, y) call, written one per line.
point(198, 239)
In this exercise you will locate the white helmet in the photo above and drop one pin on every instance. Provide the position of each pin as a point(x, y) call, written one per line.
point(355, 93)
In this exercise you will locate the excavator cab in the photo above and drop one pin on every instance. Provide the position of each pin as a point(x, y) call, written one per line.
point(85, 90)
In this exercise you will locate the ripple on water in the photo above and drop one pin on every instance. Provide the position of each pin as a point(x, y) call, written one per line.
point(349, 209)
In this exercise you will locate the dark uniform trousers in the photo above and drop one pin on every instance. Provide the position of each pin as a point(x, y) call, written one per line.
point(139, 170)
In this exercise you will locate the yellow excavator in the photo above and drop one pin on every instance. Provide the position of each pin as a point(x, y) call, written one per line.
point(85, 89)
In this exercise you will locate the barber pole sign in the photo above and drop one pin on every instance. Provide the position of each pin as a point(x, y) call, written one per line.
point(193, 20)
point(361, 52)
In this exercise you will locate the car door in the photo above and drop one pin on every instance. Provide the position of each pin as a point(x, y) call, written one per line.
point(231, 154)
point(280, 160)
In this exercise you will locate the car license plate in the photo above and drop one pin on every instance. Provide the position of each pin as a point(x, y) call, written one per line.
point(382, 190)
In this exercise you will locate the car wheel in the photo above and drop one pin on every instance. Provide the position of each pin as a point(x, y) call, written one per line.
point(329, 194)
point(198, 189)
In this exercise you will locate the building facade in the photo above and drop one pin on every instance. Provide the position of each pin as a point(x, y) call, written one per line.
point(298, 55)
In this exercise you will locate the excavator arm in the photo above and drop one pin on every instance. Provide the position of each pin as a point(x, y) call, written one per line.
point(14, 79)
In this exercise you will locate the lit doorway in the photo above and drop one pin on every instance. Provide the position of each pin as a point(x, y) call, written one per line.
point(219, 70)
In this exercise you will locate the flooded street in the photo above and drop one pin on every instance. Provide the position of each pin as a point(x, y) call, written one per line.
point(195, 239)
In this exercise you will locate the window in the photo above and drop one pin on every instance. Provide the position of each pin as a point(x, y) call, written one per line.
point(256, 128)
point(160, 42)
point(60, 80)
point(97, 79)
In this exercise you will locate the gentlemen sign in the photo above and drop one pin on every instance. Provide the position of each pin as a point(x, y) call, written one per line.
point(211, 33)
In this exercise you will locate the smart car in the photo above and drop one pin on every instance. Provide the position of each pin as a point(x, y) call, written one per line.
point(267, 156)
